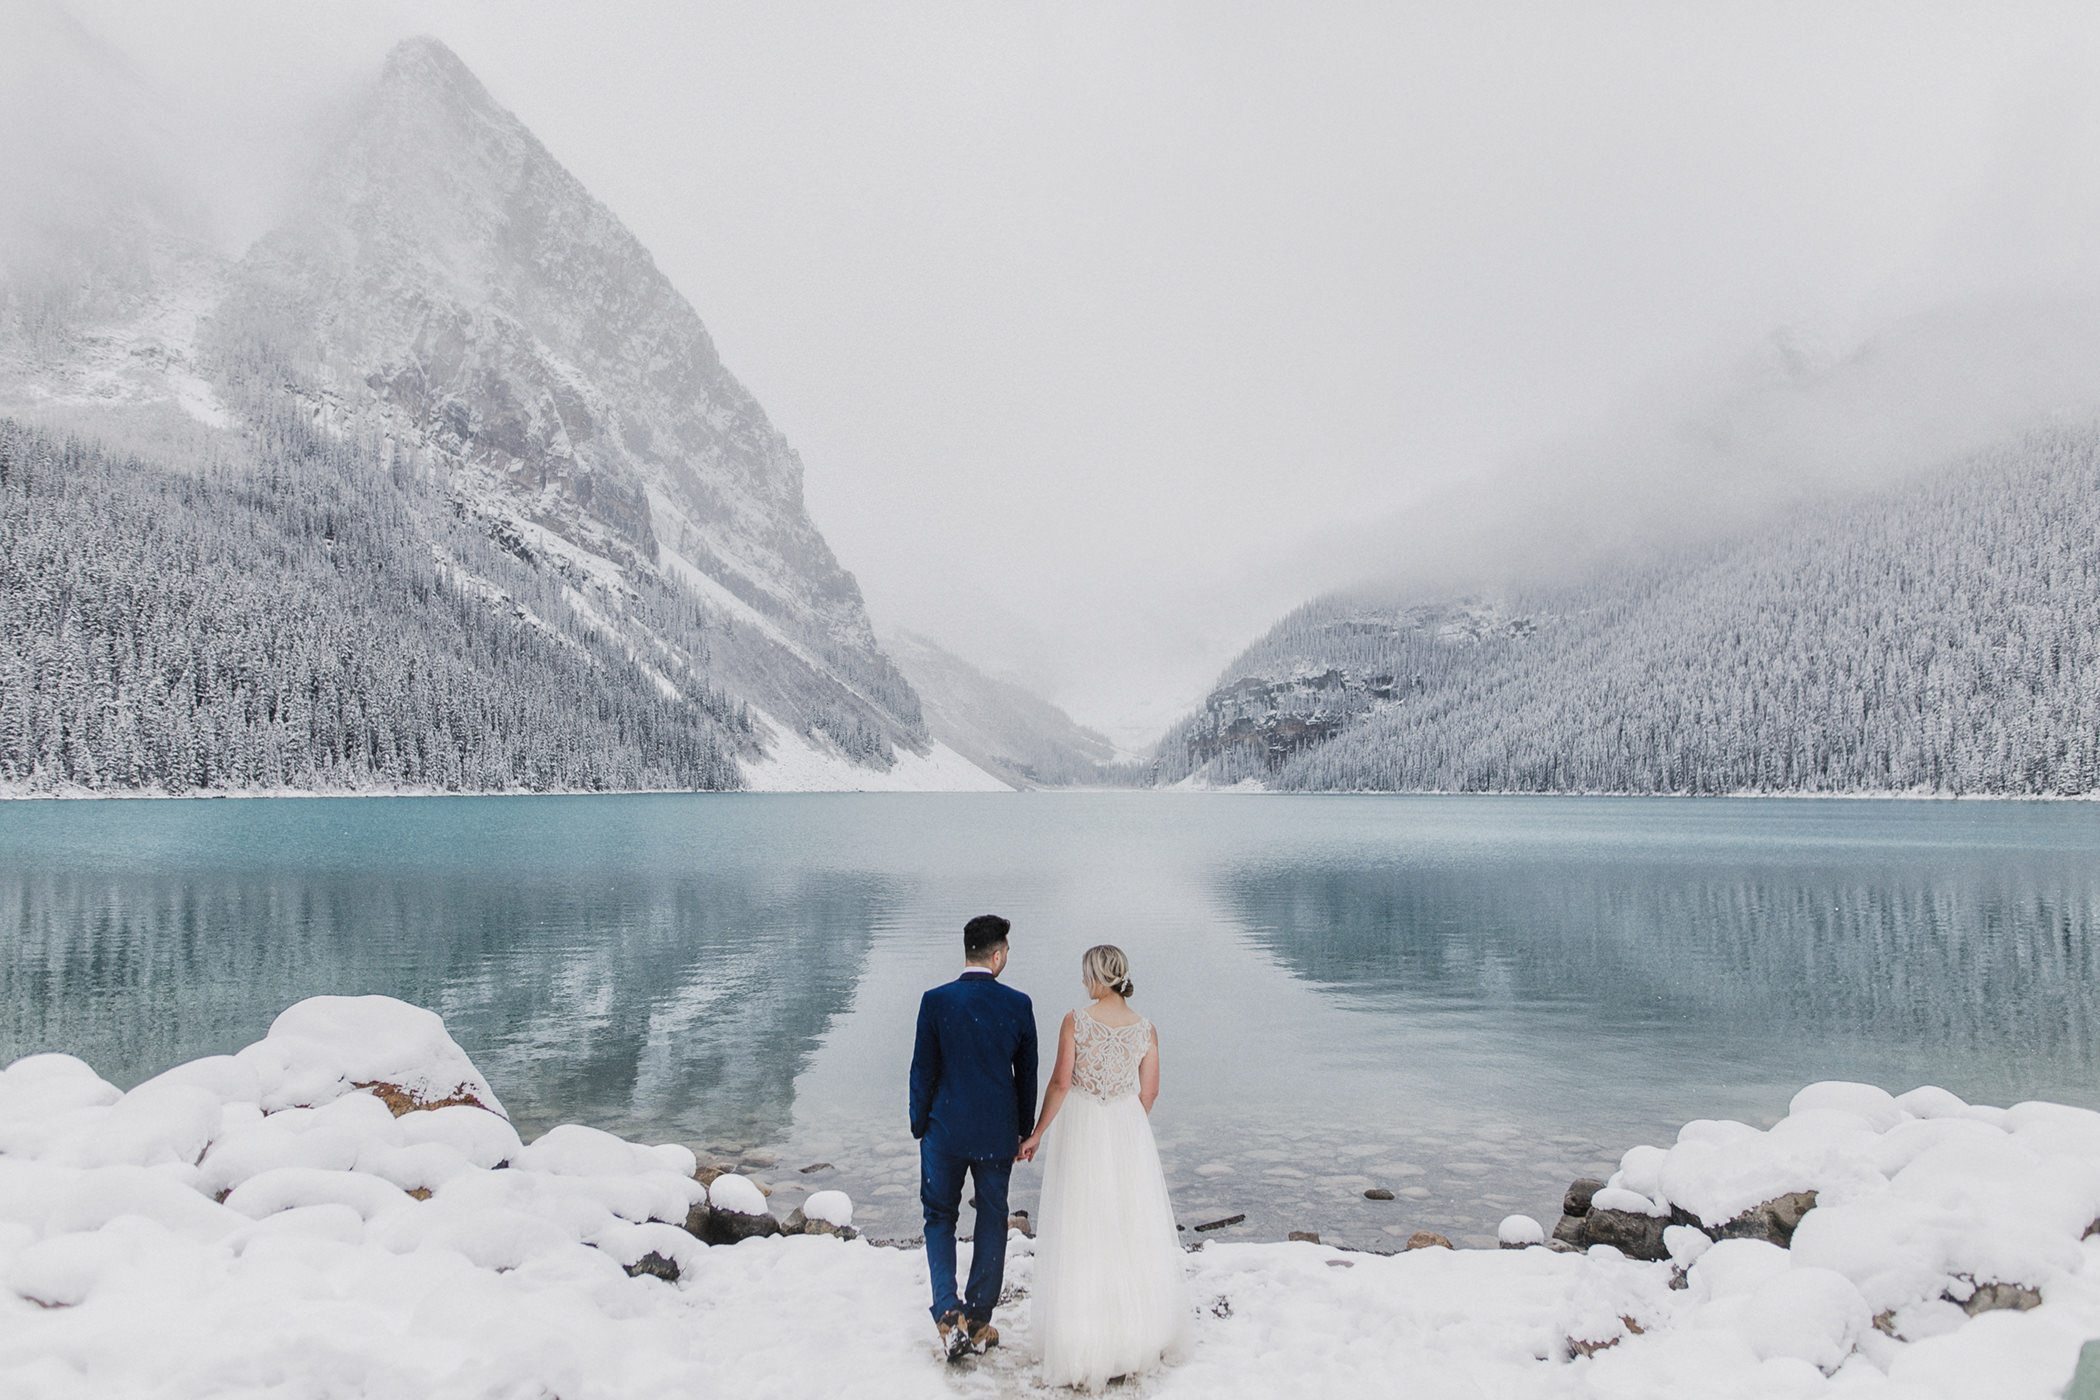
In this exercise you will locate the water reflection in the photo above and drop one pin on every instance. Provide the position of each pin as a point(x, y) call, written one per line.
point(599, 978)
point(1948, 962)
point(1464, 1000)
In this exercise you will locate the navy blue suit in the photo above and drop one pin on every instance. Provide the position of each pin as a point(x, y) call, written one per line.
point(972, 1098)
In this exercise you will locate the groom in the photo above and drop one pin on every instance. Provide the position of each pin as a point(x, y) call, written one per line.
point(972, 1097)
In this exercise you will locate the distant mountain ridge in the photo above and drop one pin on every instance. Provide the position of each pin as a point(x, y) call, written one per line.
point(446, 308)
point(1002, 728)
point(1938, 638)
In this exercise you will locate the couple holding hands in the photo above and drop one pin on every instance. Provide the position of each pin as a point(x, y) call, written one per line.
point(1109, 1296)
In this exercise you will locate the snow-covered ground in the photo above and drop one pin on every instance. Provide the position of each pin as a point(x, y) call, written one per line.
point(296, 1221)
point(793, 764)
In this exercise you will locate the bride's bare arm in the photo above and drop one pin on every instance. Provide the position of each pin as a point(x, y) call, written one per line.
point(1148, 1073)
point(1053, 1096)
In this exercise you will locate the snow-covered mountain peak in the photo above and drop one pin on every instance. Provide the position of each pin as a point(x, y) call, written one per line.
point(448, 304)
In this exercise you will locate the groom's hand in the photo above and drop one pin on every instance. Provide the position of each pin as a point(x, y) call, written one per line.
point(1028, 1147)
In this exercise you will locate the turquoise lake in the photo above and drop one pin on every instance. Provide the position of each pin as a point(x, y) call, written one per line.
point(1468, 1000)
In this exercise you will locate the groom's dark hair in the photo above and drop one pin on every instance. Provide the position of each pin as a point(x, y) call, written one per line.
point(983, 936)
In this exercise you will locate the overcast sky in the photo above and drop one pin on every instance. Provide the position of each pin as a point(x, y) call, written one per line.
point(1110, 333)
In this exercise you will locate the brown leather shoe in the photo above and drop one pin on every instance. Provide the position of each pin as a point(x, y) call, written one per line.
point(955, 1335)
point(983, 1335)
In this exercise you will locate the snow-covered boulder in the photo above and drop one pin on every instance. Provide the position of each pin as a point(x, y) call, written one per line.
point(1812, 1315)
point(737, 1210)
point(574, 1150)
point(1519, 1232)
point(824, 1213)
point(47, 1099)
point(325, 1047)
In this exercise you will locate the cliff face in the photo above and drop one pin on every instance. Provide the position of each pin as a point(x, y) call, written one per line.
point(444, 268)
point(449, 305)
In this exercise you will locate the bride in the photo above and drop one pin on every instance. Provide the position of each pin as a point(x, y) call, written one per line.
point(1109, 1293)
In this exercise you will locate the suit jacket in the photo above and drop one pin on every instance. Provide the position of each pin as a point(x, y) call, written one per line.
point(973, 1070)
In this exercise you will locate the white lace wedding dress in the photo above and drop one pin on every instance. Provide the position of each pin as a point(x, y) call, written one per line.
point(1110, 1296)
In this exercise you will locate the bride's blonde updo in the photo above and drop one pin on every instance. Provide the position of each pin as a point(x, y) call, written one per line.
point(1105, 966)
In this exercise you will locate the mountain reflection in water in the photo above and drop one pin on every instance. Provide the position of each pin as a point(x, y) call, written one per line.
point(595, 969)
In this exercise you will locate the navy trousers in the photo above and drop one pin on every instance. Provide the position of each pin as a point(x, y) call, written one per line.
point(940, 1193)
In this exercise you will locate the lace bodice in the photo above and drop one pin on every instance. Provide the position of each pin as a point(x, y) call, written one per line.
point(1105, 1059)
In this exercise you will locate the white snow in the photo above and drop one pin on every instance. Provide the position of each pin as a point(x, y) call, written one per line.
point(1518, 1230)
point(357, 1253)
point(831, 1207)
point(1632, 1202)
point(794, 764)
point(738, 1195)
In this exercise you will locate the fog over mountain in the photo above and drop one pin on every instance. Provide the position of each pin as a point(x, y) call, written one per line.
point(1936, 637)
point(446, 364)
point(1154, 322)
point(1108, 338)
point(1001, 727)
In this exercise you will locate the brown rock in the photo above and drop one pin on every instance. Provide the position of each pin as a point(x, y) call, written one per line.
point(1019, 1221)
point(1579, 1347)
point(654, 1265)
point(402, 1101)
point(1569, 1231)
point(1304, 1237)
point(799, 1224)
point(733, 1227)
point(816, 1167)
point(1633, 1234)
point(1995, 1297)
point(1378, 1193)
point(1580, 1192)
point(1773, 1221)
point(696, 1220)
point(1427, 1239)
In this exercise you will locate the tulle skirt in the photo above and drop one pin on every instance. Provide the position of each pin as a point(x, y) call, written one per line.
point(1109, 1292)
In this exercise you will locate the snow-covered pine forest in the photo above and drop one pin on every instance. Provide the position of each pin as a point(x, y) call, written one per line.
point(1942, 637)
point(295, 626)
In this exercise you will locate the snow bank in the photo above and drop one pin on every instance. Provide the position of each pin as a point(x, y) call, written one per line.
point(258, 1223)
point(325, 1047)
point(793, 763)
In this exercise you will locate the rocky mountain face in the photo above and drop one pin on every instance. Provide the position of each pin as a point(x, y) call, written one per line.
point(1934, 637)
point(1320, 671)
point(447, 304)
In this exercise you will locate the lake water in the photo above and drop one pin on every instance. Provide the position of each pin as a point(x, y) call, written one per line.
point(1467, 1000)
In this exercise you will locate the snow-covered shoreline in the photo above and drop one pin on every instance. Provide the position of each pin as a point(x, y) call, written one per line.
point(1245, 788)
point(342, 1209)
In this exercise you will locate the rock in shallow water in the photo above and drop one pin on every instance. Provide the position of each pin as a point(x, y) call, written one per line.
point(732, 1227)
point(1519, 1232)
point(1427, 1239)
point(1581, 1191)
